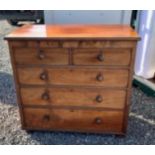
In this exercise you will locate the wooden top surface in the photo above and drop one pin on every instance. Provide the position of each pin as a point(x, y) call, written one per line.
point(111, 32)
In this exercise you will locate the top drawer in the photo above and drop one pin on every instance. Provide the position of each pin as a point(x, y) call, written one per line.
point(119, 57)
point(57, 56)
point(74, 44)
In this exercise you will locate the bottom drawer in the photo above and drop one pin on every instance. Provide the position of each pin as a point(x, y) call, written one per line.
point(74, 120)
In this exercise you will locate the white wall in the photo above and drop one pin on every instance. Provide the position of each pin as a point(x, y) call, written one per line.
point(87, 17)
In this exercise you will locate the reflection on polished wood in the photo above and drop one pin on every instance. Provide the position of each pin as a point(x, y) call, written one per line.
point(75, 31)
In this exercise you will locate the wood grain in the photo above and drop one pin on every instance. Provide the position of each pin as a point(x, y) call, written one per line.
point(81, 43)
point(85, 77)
point(49, 44)
point(20, 43)
point(120, 57)
point(41, 56)
point(74, 97)
point(70, 119)
point(110, 32)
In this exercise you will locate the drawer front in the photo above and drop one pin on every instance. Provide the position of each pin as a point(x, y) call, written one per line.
point(74, 44)
point(50, 44)
point(114, 57)
point(24, 44)
point(42, 56)
point(77, 77)
point(37, 118)
point(77, 120)
point(98, 44)
point(103, 98)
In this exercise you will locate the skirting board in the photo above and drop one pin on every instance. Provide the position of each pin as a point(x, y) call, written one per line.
point(145, 85)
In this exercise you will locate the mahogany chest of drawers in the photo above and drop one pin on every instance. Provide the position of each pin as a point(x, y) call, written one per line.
point(73, 77)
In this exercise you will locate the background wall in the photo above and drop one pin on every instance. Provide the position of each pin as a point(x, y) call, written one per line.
point(88, 17)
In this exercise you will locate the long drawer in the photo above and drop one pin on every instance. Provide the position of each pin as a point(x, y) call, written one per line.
point(76, 76)
point(77, 120)
point(49, 56)
point(103, 98)
point(74, 44)
point(116, 57)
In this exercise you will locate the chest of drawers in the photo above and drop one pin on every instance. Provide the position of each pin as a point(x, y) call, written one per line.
point(73, 77)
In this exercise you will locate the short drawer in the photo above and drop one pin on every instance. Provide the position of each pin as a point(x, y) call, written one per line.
point(83, 97)
point(77, 77)
point(77, 120)
point(41, 56)
point(119, 57)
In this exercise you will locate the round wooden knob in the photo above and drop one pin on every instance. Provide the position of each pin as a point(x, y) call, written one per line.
point(43, 76)
point(99, 77)
point(98, 120)
point(99, 98)
point(45, 96)
point(46, 118)
point(100, 57)
point(41, 55)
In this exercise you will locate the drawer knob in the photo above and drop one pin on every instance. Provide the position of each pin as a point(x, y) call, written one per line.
point(41, 55)
point(43, 76)
point(99, 98)
point(45, 96)
point(46, 117)
point(100, 57)
point(98, 120)
point(99, 77)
